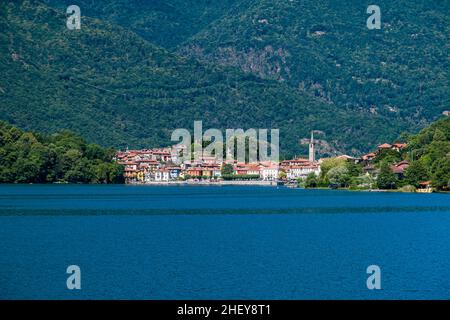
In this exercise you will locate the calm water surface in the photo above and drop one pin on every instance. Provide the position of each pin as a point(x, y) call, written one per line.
point(221, 243)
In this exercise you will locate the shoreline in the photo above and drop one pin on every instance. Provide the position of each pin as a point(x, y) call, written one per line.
point(206, 183)
point(222, 183)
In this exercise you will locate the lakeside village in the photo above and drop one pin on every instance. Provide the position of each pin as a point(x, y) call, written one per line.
point(157, 166)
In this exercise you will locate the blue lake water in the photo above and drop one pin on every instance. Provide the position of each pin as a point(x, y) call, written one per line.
point(198, 242)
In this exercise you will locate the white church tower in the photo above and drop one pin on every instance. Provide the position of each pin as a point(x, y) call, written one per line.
point(312, 153)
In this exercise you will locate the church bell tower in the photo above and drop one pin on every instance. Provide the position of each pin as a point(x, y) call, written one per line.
point(312, 153)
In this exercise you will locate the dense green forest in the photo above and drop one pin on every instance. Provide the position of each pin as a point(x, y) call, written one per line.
point(130, 77)
point(324, 48)
point(166, 23)
point(27, 157)
point(427, 153)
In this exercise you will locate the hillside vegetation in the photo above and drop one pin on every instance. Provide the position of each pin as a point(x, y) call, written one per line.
point(164, 22)
point(119, 81)
point(325, 48)
point(426, 159)
point(429, 152)
point(27, 157)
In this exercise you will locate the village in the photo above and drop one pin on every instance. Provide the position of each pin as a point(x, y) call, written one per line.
point(149, 166)
point(158, 166)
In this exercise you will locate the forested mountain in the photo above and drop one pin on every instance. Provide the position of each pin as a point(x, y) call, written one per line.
point(325, 48)
point(164, 22)
point(120, 81)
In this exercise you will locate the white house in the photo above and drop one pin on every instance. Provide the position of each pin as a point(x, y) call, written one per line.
point(296, 172)
point(162, 175)
point(270, 172)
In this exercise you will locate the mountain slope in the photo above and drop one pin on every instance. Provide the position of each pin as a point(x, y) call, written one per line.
point(324, 47)
point(164, 22)
point(116, 89)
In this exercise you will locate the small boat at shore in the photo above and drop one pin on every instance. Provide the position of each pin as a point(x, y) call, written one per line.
point(425, 187)
point(425, 190)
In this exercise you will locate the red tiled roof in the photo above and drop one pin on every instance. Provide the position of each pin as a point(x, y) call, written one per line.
point(400, 145)
point(369, 155)
point(400, 167)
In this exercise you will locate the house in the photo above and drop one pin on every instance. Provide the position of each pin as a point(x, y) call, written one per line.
point(174, 172)
point(194, 171)
point(211, 170)
point(396, 146)
point(140, 176)
point(254, 169)
point(399, 168)
point(369, 156)
point(368, 168)
point(248, 169)
point(270, 172)
point(163, 155)
point(149, 164)
point(149, 176)
point(162, 175)
point(399, 146)
point(240, 169)
point(346, 157)
point(384, 146)
point(294, 162)
point(208, 160)
point(296, 172)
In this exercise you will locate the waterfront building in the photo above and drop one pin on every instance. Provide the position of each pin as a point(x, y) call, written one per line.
point(194, 171)
point(174, 172)
point(162, 175)
point(211, 170)
point(270, 173)
point(301, 172)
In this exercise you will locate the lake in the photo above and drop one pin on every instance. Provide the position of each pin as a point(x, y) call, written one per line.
point(229, 242)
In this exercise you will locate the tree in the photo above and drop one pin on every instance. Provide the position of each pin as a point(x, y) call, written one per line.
point(388, 157)
point(338, 176)
point(441, 173)
point(326, 166)
point(386, 179)
point(311, 181)
point(27, 157)
point(416, 173)
point(227, 169)
point(354, 170)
